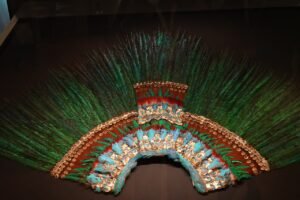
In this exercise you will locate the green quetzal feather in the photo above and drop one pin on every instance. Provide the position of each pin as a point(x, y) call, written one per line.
point(261, 107)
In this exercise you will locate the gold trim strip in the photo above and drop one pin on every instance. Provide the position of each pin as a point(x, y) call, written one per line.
point(179, 86)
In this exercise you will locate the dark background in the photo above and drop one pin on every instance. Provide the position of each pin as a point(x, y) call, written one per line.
point(267, 36)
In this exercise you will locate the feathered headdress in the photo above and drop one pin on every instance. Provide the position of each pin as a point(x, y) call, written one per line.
point(155, 95)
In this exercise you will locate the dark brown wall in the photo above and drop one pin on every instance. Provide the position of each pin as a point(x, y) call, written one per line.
point(269, 37)
point(43, 8)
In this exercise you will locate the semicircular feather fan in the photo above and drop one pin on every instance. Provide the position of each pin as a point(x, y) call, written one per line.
point(151, 95)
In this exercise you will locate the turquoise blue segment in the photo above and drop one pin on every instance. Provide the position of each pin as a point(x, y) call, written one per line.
point(165, 106)
point(198, 147)
point(176, 134)
point(224, 172)
point(128, 140)
point(107, 159)
point(215, 164)
point(163, 133)
point(140, 134)
point(100, 169)
point(151, 134)
point(116, 148)
point(207, 154)
point(187, 138)
point(93, 179)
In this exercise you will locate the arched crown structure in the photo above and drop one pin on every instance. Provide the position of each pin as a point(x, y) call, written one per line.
point(214, 156)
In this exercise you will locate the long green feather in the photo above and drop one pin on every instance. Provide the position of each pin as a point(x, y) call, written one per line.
point(251, 101)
